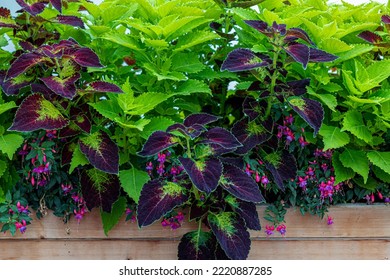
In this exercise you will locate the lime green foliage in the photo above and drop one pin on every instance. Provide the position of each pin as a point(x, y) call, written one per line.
point(78, 159)
point(357, 161)
point(110, 220)
point(132, 181)
point(93, 140)
point(47, 111)
point(7, 106)
point(224, 221)
point(333, 137)
point(99, 179)
point(297, 102)
point(342, 173)
point(172, 189)
point(9, 144)
point(255, 128)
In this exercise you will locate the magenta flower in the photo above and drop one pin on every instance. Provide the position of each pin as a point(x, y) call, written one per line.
point(330, 221)
point(282, 229)
point(269, 230)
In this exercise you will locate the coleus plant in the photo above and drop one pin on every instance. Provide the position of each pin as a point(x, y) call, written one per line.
point(218, 193)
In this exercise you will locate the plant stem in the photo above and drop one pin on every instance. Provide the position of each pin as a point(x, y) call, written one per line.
point(273, 83)
point(188, 148)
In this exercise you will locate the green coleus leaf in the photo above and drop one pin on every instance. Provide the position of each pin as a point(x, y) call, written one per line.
point(122, 40)
point(356, 160)
point(146, 102)
point(3, 168)
point(197, 245)
point(231, 234)
point(380, 159)
point(9, 144)
point(110, 220)
point(187, 62)
point(353, 122)
point(328, 99)
point(194, 38)
point(78, 158)
point(192, 86)
point(342, 173)
point(157, 123)
point(334, 45)
point(7, 106)
point(333, 137)
point(107, 108)
point(140, 124)
point(382, 175)
point(132, 181)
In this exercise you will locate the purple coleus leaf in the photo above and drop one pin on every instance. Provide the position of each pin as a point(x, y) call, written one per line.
point(242, 60)
point(101, 151)
point(57, 4)
point(259, 25)
point(310, 110)
point(199, 119)
point(35, 112)
point(239, 184)
point(251, 133)
point(99, 189)
point(43, 89)
point(5, 18)
point(64, 87)
point(23, 63)
point(80, 119)
point(298, 87)
point(284, 169)
point(221, 137)
point(294, 34)
point(370, 37)
point(11, 86)
point(218, 150)
point(317, 55)
point(70, 20)
point(299, 52)
point(157, 142)
point(247, 211)
point(251, 107)
point(192, 131)
point(69, 131)
point(100, 86)
point(385, 19)
point(203, 174)
point(157, 199)
point(85, 57)
point(231, 234)
point(197, 245)
point(32, 9)
point(67, 153)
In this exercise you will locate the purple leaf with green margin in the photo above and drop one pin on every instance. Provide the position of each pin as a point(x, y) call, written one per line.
point(298, 87)
point(310, 110)
point(86, 57)
point(251, 108)
point(242, 60)
point(70, 20)
point(35, 112)
point(236, 161)
point(83, 122)
point(250, 134)
point(200, 119)
point(157, 199)
point(239, 184)
point(197, 245)
point(43, 89)
point(204, 175)
point(300, 53)
point(218, 150)
point(33, 9)
point(317, 55)
point(247, 211)
point(57, 4)
point(67, 153)
point(64, 87)
point(370, 37)
point(23, 63)
point(231, 234)
point(157, 142)
point(260, 26)
point(99, 189)
point(100, 86)
point(101, 152)
point(222, 137)
point(11, 86)
point(284, 169)
point(296, 33)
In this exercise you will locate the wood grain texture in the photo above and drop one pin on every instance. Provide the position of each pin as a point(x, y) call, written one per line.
point(358, 232)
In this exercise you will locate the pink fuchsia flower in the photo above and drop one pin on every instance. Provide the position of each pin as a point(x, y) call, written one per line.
point(269, 230)
point(66, 188)
point(21, 208)
point(21, 226)
point(302, 142)
point(330, 221)
point(281, 229)
point(387, 199)
point(264, 180)
point(257, 178)
point(289, 120)
point(248, 170)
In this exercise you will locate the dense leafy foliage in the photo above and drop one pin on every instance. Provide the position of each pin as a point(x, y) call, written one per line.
point(192, 110)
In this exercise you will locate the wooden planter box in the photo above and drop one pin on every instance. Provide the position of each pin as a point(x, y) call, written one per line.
point(358, 232)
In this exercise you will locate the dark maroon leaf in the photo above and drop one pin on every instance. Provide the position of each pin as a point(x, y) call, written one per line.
point(370, 37)
point(99, 189)
point(236, 161)
point(157, 142)
point(250, 134)
point(35, 112)
point(222, 137)
point(284, 169)
point(259, 25)
point(300, 53)
point(41, 88)
point(296, 33)
point(218, 150)
point(69, 131)
point(178, 127)
point(247, 211)
point(70, 20)
point(385, 19)
point(200, 119)
point(57, 5)
point(197, 245)
point(310, 110)
point(239, 184)
point(321, 56)
point(100, 86)
point(242, 60)
point(298, 87)
point(157, 199)
point(80, 119)
point(101, 152)
point(279, 28)
point(86, 57)
point(23, 63)
point(204, 175)
point(26, 46)
point(251, 107)
point(11, 87)
point(231, 234)
point(64, 87)
point(33, 9)
point(67, 153)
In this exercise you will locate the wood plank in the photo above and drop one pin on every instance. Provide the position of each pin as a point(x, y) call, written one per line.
point(167, 250)
point(356, 221)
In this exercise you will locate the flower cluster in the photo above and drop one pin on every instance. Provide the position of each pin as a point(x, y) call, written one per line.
point(286, 132)
point(174, 221)
point(270, 229)
point(163, 167)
